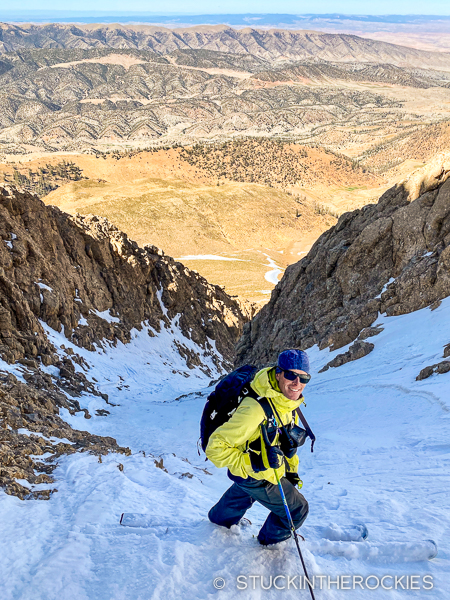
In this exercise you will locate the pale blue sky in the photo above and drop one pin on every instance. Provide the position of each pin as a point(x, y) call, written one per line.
point(361, 7)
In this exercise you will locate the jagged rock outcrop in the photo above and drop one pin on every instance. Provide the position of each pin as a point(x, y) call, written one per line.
point(356, 350)
point(82, 277)
point(441, 367)
point(392, 257)
point(67, 271)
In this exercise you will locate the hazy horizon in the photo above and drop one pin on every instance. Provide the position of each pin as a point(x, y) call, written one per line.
point(392, 17)
point(238, 19)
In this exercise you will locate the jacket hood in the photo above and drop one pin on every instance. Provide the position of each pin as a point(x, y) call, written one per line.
point(266, 385)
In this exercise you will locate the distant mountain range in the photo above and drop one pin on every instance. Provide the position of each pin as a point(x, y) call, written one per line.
point(65, 86)
point(269, 45)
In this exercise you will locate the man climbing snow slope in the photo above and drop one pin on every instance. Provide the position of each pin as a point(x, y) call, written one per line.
point(252, 444)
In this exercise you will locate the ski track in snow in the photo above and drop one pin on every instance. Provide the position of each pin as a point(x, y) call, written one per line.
point(381, 458)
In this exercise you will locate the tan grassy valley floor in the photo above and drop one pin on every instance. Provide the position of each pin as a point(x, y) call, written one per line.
point(157, 198)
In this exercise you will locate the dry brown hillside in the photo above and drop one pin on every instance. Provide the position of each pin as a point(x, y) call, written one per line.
point(420, 144)
point(260, 202)
point(190, 87)
point(185, 218)
point(277, 164)
point(247, 224)
point(256, 160)
point(157, 197)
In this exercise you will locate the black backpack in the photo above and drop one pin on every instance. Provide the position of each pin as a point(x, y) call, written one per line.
point(225, 399)
point(227, 396)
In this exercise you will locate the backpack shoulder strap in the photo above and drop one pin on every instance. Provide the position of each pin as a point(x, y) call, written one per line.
point(307, 427)
point(266, 406)
point(268, 411)
point(263, 402)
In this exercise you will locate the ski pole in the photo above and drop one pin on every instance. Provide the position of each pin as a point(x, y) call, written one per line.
point(293, 532)
point(289, 518)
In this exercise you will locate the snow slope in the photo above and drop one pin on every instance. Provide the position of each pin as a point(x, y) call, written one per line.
point(382, 458)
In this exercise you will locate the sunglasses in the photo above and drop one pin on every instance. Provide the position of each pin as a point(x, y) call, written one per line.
point(293, 376)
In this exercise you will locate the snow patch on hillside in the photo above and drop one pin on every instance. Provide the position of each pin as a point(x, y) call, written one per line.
point(272, 275)
point(106, 316)
point(44, 286)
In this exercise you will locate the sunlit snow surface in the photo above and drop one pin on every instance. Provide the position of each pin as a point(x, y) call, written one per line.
point(381, 458)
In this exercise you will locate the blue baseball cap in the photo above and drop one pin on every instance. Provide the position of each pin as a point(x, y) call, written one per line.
point(293, 359)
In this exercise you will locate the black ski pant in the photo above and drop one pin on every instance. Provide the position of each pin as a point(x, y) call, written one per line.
point(241, 496)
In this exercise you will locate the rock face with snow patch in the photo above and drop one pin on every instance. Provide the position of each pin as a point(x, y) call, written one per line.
point(32, 427)
point(82, 277)
point(392, 257)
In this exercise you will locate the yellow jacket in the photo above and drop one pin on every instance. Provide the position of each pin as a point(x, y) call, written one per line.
point(228, 444)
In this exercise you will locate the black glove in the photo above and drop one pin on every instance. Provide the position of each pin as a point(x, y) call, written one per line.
point(294, 478)
point(275, 459)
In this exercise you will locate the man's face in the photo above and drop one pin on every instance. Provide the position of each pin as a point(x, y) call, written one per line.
point(291, 389)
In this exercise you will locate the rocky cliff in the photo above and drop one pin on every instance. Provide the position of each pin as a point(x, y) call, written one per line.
point(81, 278)
point(390, 258)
